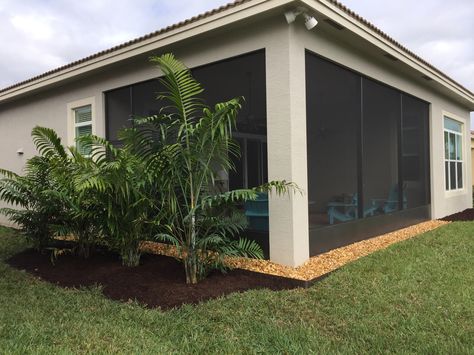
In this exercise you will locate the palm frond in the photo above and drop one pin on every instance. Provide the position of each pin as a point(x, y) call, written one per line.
point(232, 196)
point(182, 89)
point(280, 187)
point(248, 248)
point(48, 143)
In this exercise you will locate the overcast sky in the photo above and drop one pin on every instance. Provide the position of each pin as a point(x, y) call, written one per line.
point(37, 36)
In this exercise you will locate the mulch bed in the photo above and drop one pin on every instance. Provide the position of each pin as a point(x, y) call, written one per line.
point(464, 216)
point(159, 281)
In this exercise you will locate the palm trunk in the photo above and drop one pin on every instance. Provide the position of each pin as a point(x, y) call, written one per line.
point(190, 266)
point(84, 245)
point(131, 254)
point(84, 249)
point(191, 258)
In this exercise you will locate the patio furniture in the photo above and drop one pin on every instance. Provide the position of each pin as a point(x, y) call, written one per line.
point(391, 203)
point(257, 212)
point(347, 210)
point(342, 211)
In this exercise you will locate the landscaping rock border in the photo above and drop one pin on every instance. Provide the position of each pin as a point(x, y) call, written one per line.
point(319, 265)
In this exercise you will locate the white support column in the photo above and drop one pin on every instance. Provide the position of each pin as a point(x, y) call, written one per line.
point(286, 136)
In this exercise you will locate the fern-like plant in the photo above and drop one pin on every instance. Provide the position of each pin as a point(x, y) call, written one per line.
point(81, 212)
point(33, 208)
point(125, 191)
point(48, 202)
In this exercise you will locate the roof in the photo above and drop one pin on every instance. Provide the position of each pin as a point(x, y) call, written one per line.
point(222, 9)
point(394, 42)
point(129, 43)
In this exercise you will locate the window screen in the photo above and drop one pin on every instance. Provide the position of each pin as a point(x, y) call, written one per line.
point(333, 116)
point(367, 147)
point(242, 76)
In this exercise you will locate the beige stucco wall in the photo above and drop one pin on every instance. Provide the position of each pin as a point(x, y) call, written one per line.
point(472, 157)
point(286, 112)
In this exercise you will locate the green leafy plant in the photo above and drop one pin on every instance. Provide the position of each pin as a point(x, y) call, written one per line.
point(191, 143)
point(49, 203)
point(118, 180)
point(81, 212)
point(161, 181)
point(37, 209)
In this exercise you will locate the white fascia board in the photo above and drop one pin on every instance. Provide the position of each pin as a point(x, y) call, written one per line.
point(190, 30)
point(336, 14)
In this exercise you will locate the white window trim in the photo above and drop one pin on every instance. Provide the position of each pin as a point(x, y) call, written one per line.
point(462, 122)
point(71, 123)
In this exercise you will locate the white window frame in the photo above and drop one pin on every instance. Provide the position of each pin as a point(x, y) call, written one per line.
point(71, 118)
point(447, 176)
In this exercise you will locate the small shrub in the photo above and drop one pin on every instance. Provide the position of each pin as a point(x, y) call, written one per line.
point(38, 209)
point(123, 193)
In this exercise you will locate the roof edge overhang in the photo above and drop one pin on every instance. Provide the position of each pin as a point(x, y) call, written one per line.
point(170, 35)
point(229, 14)
point(354, 23)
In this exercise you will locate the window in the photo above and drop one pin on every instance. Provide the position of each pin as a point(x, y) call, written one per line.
point(453, 161)
point(118, 105)
point(82, 126)
point(81, 122)
point(250, 168)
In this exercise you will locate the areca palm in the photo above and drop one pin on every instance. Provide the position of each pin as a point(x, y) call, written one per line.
point(118, 179)
point(81, 211)
point(32, 208)
point(45, 194)
point(192, 143)
point(34, 192)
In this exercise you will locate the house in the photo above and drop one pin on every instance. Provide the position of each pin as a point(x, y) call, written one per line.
point(376, 137)
point(472, 154)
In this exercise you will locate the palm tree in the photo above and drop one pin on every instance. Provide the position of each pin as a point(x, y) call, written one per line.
point(49, 203)
point(189, 143)
point(118, 180)
point(40, 208)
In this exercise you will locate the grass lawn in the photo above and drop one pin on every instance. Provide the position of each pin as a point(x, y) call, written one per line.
point(414, 297)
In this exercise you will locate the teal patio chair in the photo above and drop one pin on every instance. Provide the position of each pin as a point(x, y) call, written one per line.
point(342, 211)
point(257, 212)
point(347, 211)
point(390, 204)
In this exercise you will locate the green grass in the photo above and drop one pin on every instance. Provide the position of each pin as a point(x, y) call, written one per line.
point(414, 297)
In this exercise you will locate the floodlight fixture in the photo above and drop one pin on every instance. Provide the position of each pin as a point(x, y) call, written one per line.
point(309, 21)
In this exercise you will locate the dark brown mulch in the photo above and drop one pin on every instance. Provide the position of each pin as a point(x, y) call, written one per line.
point(159, 281)
point(466, 215)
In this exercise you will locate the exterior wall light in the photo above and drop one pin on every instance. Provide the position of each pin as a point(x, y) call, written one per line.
point(309, 21)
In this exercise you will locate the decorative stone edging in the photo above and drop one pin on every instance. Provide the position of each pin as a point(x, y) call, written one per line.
point(318, 266)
